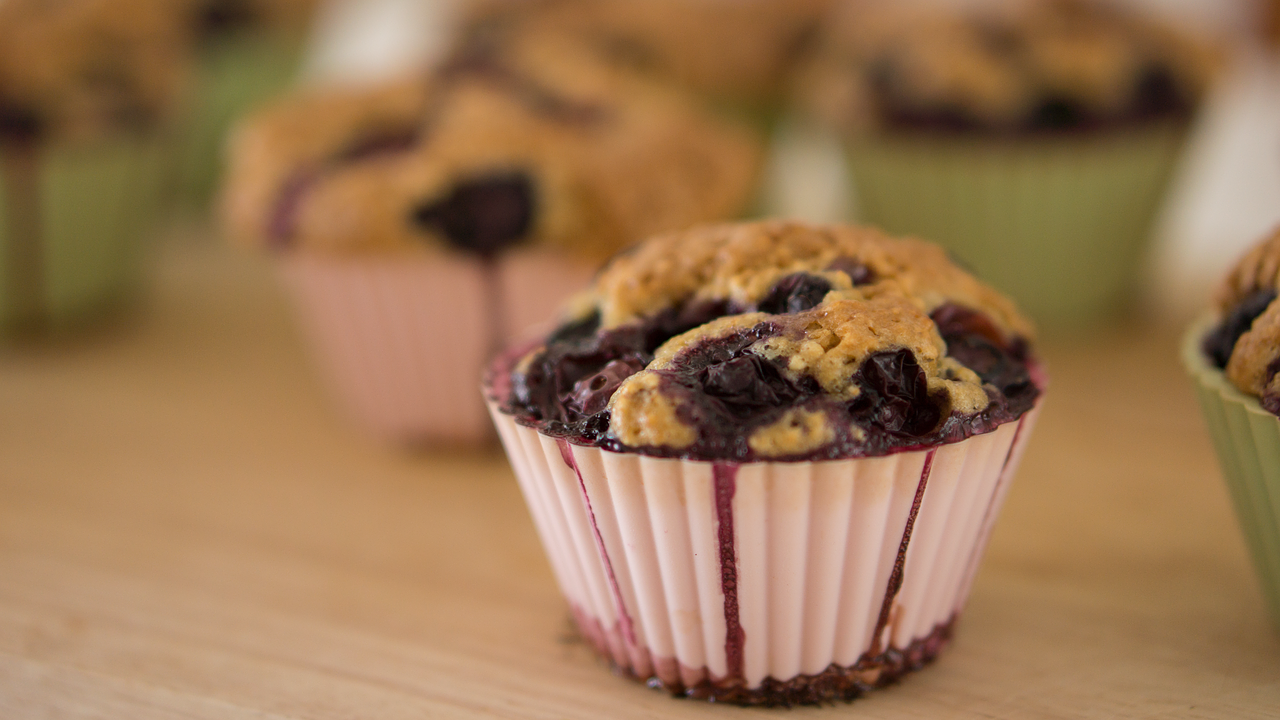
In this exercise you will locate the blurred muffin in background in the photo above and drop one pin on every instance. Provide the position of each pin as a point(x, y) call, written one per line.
point(248, 51)
point(1232, 354)
point(1034, 140)
point(424, 223)
point(737, 53)
point(86, 90)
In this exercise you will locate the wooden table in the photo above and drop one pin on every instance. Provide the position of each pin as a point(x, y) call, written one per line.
point(188, 529)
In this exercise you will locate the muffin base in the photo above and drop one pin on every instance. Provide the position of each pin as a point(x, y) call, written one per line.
point(1247, 440)
point(1060, 222)
point(765, 583)
point(403, 339)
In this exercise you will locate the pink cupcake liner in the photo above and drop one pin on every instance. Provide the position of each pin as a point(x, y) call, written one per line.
point(758, 582)
point(403, 340)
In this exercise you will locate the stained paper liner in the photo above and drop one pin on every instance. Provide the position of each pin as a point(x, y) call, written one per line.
point(1059, 223)
point(74, 220)
point(765, 582)
point(1247, 439)
point(403, 339)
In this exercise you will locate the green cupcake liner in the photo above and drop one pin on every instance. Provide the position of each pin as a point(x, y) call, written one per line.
point(234, 75)
point(1247, 440)
point(1059, 223)
point(73, 220)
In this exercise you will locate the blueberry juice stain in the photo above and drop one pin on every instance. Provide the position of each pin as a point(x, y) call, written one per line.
point(483, 216)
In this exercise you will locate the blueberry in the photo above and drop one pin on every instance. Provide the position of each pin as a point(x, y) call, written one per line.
point(1219, 344)
point(1056, 113)
point(576, 330)
point(482, 215)
point(1156, 92)
point(895, 395)
point(590, 395)
point(19, 123)
point(795, 293)
point(859, 274)
point(746, 383)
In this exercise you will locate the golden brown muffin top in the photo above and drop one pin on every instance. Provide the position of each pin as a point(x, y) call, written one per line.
point(1031, 65)
point(740, 51)
point(593, 157)
point(80, 68)
point(1247, 343)
point(765, 332)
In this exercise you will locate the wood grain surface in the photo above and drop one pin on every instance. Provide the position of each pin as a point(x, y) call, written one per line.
point(188, 529)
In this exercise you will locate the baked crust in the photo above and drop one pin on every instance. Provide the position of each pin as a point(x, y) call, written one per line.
point(1029, 65)
point(80, 69)
point(866, 297)
point(1252, 367)
point(611, 156)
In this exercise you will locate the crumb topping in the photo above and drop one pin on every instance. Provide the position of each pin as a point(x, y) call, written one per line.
point(531, 143)
point(1035, 65)
point(779, 340)
point(1246, 343)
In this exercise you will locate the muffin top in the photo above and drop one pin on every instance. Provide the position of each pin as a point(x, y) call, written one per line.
point(1246, 342)
point(776, 341)
point(737, 51)
point(79, 69)
point(1033, 66)
point(532, 142)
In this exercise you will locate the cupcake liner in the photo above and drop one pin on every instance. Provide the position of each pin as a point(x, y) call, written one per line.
point(764, 582)
point(73, 221)
point(233, 76)
point(1247, 440)
point(1058, 223)
point(403, 340)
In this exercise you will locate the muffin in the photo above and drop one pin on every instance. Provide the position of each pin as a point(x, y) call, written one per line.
point(247, 52)
point(1233, 354)
point(764, 458)
point(1035, 140)
point(737, 55)
point(86, 90)
point(425, 223)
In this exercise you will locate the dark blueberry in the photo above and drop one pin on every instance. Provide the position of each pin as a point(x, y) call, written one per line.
point(1056, 113)
point(590, 395)
point(482, 215)
point(576, 330)
point(895, 395)
point(747, 383)
point(955, 320)
point(1219, 344)
point(219, 17)
point(387, 142)
point(1156, 92)
point(19, 123)
point(858, 273)
point(795, 293)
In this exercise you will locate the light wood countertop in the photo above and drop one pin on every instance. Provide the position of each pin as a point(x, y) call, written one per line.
point(189, 529)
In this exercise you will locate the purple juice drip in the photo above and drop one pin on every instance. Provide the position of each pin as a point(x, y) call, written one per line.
point(283, 220)
point(900, 564)
point(724, 476)
point(624, 618)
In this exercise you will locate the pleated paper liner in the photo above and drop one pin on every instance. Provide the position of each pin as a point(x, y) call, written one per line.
point(1247, 440)
point(403, 340)
point(1060, 223)
point(766, 582)
point(74, 222)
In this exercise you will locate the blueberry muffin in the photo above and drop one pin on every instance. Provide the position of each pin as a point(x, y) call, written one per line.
point(504, 177)
point(1034, 140)
point(87, 88)
point(725, 396)
point(1233, 354)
